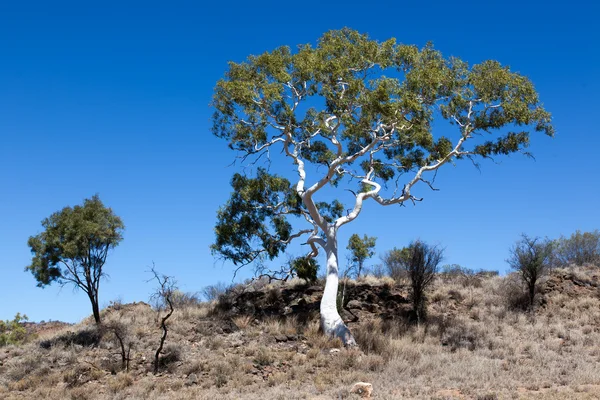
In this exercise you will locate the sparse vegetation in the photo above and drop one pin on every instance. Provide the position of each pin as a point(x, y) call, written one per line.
point(493, 349)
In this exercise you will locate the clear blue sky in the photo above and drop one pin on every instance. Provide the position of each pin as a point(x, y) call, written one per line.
point(113, 98)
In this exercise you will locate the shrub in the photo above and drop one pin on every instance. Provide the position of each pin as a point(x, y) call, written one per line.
point(465, 276)
point(419, 262)
point(226, 300)
point(120, 333)
point(13, 331)
point(457, 335)
point(579, 249)
point(306, 268)
point(170, 354)
point(273, 296)
point(181, 299)
point(530, 258)
point(213, 292)
point(264, 357)
point(377, 270)
point(371, 339)
point(512, 290)
point(395, 264)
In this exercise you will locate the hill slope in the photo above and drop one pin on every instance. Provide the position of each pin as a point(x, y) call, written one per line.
point(262, 342)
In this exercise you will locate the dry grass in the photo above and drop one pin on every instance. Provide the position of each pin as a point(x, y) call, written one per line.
point(475, 345)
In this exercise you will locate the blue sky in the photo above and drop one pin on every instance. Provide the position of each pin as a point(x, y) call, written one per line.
point(113, 98)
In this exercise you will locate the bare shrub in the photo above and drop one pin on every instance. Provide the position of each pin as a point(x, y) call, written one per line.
point(515, 298)
point(120, 333)
point(394, 263)
point(226, 299)
point(185, 299)
point(163, 297)
point(213, 292)
point(530, 258)
point(464, 276)
point(419, 261)
point(579, 249)
point(377, 270)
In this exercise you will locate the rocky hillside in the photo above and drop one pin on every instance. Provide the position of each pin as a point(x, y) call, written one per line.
point(262, 341)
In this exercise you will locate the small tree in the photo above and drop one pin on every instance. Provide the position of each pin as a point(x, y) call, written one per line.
point(579, 249)
point(530, 258)
point(361, 249)
point(74, 246)
point(163, 296)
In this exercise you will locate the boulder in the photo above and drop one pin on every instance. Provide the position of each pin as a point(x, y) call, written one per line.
point(192, 380)
point(363, 389)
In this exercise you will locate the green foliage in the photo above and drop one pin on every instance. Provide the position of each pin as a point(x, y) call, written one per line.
point(305, 268)
point(330, 211)
point(580, 248)
point(361, 249)
point(357, 108)
point(13, 331)
point(257, 90)
point(255, 215)
point(530, 258)
point(74, 245)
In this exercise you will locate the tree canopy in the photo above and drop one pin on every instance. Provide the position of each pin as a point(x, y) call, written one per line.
point(361, 249)
point(358, 109)
point(74, 246)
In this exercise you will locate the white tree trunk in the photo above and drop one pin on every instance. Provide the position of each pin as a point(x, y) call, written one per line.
point(331, 322)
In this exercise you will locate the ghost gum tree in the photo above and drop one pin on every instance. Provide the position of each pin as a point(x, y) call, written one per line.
point(355, 116)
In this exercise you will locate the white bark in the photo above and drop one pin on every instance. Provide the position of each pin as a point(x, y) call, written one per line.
point(331, 322)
